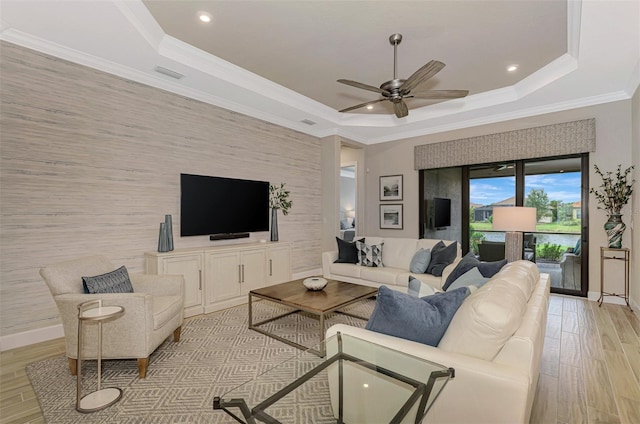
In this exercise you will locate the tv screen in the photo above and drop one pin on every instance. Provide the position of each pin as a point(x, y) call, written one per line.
point(441, 212)
point(217, 205)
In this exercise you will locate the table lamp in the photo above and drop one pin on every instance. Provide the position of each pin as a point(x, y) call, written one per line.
point(514, 221)
point(351, 214)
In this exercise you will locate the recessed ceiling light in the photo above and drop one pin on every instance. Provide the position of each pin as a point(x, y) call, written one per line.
point(370, 107)
point(204, 17)
point(512, 68)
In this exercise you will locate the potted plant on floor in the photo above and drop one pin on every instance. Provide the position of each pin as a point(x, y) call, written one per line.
point(614, 192)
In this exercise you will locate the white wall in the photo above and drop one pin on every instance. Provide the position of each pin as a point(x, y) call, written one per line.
point(614, 146)
point(90, 163)
point(635, 205)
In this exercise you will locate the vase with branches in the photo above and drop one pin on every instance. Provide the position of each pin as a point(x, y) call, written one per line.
point(612, 195)
point(278, 200)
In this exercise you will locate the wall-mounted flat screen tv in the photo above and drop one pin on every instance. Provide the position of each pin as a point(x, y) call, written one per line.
point(441, 212)
point(217, 205)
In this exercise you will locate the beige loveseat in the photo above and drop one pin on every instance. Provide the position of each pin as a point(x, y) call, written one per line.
point(494, 342)
point(396, 258)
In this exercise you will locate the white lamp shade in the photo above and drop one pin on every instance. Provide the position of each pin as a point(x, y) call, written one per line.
point(515, 218)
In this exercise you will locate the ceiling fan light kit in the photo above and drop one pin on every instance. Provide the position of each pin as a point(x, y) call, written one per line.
point(397, 89)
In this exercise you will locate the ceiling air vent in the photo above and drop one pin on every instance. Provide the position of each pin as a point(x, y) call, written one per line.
point(168, 72)
point(308, 122)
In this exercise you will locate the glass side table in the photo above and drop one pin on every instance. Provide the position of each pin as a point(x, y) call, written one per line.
point(356, 382)
point(616, 254)
point(93, 311)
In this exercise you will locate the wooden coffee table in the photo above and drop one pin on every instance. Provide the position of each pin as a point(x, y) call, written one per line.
point(336, 295)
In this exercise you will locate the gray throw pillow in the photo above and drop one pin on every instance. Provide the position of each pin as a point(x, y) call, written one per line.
point(420, 261)
point(487, 269)
point(112, 282)
point(473, 277)
point(422, 320)
point(347, 252)
point(370, 255)
point(441, 256)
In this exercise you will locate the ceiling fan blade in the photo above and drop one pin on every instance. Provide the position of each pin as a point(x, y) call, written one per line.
point(362, 86)
point(421, 75)
point(400, 109)
point(440, 94)
point(362, 105)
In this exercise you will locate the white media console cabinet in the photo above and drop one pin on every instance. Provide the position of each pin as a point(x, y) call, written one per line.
point(219, 277)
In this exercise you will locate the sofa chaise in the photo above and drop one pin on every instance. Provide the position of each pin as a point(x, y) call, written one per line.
point(494, 342)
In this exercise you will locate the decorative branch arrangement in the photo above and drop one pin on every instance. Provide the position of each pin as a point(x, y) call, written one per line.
point(614, 192)
point(279, 198)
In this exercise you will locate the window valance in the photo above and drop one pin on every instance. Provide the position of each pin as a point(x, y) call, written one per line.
point(550, 140)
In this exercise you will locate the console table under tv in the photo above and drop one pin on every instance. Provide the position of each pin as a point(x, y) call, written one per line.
point(219, 277)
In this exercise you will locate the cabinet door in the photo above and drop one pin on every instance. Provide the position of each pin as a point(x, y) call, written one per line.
point(279, 265)
point(191, 267)
point(253, 269)
point(223, 274)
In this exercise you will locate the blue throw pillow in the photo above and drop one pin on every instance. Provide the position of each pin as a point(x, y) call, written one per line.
point(441, 256)
point(576, 249)
point(422, 320)
point(473, 277)
point(420, 261)
point(112, 282)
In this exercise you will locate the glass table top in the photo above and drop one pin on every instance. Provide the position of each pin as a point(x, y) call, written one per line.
point(356, 382)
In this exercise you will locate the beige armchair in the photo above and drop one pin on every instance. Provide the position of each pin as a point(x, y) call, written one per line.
point(152, 312)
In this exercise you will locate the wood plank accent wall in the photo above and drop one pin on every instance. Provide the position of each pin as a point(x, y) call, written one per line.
point(91, 163)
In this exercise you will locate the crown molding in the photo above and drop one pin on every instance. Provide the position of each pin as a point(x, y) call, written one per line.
point(506, 116)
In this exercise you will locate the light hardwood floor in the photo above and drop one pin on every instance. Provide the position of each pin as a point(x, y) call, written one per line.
point(590, 370)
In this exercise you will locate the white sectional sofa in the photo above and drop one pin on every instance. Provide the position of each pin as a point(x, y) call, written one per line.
point(494, 342)
point(396, 257)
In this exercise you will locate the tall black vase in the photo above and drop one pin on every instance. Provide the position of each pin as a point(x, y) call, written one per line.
point(274, 224)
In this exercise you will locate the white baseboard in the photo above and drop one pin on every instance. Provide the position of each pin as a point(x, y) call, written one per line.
point(30, 337)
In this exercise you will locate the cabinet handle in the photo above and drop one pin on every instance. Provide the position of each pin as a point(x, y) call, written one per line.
point(239, 274)
point(243, 273)
point(199, 279)
point(270, 267)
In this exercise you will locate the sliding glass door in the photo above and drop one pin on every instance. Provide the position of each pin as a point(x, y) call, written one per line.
point(555, 188)
point(490, 186)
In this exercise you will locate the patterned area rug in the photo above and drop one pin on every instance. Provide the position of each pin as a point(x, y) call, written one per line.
point(216, 353)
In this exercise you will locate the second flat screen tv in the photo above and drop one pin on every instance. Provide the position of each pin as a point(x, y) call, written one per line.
point(218, 205)
point(441, 212)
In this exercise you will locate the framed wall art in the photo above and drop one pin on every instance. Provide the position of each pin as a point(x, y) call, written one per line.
point(391, 217)
point(391, 187)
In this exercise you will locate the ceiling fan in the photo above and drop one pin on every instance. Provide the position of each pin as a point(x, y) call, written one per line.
point(398, 89)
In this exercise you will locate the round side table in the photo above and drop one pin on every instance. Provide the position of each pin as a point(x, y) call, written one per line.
point(93, 311)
